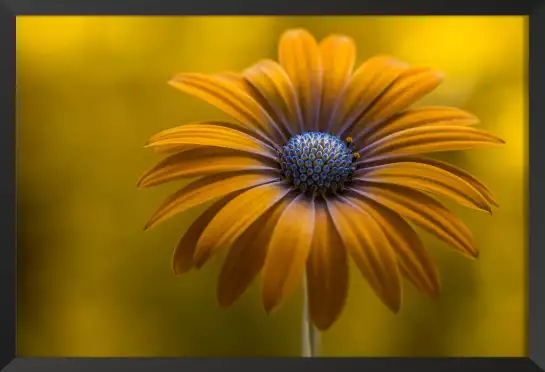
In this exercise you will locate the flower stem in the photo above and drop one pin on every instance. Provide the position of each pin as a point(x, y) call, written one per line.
point(310, 337)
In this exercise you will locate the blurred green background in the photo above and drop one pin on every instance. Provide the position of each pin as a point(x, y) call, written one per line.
point(91, 90)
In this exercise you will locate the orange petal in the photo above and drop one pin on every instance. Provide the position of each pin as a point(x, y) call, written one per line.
point(427, 178)
point(411, 85)
point(208, 135)
point(415, 118)
point(229, 98)
point(338, 54)
point(173, 149)
point(415, 262)
point(478, 185)
point(236, 217)
point(369, 81)
point(201, 162)
point(247, 255)
point(424, 211)
point(326, 271)
point(289, 248)
point(370, 250)
point(299, 55)
point(182, 261)
point(250, 89)
point(236, 79)
point(206, 189)
point(430, 139)
point(274, 84)
point(172, 132)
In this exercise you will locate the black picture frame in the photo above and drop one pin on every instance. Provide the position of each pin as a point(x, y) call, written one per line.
point(9, 9)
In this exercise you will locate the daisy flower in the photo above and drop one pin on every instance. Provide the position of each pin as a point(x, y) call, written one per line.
point(322, 163)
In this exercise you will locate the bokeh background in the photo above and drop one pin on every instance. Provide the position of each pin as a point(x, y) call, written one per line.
point(91, 90)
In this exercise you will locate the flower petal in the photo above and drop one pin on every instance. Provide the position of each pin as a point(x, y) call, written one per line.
point(473, 181)
point(236, 79)
point(247, 255)
point(202, 161)
point(338, 54)
point(411, 85)
point(299, 55)
point(229, 98)
point(367, 83)
point(173, 149)
point(182, 260)
point(326, 271)
point(430, 139)
point(427, 178)
point(415, 118)
point(206, 189)
point(236, 217)
point(274, 84)
point(247, 87)
point(238, 128)
point(289, 248)
point(369, 248)
point(424, 211)
point(415, 262)
point(209, 135)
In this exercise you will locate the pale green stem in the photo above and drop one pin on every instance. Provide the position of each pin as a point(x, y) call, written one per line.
point(310, 337)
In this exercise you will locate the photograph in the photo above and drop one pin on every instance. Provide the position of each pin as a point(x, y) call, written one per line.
point(272, 186)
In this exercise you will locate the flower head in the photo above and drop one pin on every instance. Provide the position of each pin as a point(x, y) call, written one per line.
point(321, 163)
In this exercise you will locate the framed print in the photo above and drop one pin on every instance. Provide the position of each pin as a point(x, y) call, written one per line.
point(212, 186)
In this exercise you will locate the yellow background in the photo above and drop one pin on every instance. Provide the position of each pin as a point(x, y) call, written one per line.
point(90, 90)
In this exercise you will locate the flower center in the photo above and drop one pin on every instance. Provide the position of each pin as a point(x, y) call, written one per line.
point(317, 162)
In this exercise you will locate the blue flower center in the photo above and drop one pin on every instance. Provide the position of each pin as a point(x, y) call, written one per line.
point(317, 162)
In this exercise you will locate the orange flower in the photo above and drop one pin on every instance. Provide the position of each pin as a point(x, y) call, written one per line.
point(320, 164)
